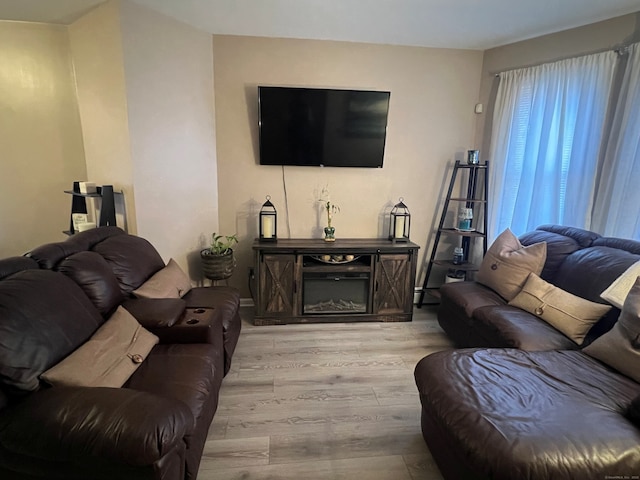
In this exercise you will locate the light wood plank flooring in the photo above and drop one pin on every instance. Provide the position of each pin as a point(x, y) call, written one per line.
point(324, 401)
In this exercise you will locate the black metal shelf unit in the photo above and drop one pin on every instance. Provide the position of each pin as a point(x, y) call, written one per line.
point(475, 171)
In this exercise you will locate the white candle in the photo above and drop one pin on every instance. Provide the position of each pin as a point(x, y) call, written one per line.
point(267, 227)
point(399, 227)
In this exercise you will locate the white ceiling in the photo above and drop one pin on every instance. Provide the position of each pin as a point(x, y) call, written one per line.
point(473, 24)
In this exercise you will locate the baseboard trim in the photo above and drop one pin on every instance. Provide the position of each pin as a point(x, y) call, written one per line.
point(247, 302)
point(416, 295)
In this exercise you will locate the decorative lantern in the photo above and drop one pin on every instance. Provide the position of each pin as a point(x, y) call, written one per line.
point(399, 222)
point(268, 223)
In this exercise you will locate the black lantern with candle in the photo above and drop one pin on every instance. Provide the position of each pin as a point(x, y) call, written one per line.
point(268, 224)
point(399, 222)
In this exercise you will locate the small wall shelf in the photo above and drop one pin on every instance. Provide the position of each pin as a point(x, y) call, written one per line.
point(105, 193)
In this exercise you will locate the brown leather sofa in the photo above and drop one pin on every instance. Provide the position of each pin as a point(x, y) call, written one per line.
point(154, 427)
point(521, 400)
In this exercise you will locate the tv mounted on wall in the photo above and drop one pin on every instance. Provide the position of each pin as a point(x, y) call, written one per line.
point(322, 127)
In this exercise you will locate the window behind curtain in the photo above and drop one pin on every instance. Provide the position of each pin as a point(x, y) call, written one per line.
point(548, 127)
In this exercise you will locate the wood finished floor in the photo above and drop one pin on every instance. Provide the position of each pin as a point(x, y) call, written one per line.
point(324, 401)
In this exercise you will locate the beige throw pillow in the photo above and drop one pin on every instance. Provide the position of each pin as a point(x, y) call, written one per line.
point(507, 264)
point(170, 282)
point(570, 314)
point(616, 293)
point(620, 347)
point(108, 358)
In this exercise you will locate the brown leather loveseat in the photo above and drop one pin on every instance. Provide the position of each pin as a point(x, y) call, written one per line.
point(579, 261)
point(521, 399)
point(53, 302)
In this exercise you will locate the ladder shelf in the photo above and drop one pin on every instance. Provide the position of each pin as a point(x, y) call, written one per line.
point(478, 206)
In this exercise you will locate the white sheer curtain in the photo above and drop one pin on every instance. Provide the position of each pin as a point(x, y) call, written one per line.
point(617, 207)
point(547, 129)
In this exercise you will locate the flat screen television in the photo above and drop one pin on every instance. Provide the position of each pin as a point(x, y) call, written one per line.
point(322, 127)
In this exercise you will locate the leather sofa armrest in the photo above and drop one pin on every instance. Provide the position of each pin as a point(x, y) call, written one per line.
point(153, 313)
point(116, 424)
point(196, 325)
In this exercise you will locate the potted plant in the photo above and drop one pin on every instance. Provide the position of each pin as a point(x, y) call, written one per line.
point(218, 261)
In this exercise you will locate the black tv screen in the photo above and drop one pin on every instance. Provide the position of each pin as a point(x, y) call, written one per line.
point(322, 127)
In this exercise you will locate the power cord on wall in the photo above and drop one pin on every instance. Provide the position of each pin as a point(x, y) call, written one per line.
point(252, 278)
point(286, 202)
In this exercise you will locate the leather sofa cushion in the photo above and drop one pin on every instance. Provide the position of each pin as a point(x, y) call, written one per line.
point(585, 238)
point(458, 302)
point(50, 254)
point(628, 245)
point(132, 259)
point(87, 239)
point(508, 263)
point(191, 373)
point(588, 272)
point(505, 326)
point(568, 313)
point(94, 275)
point(469, 296)
point(108, 358)
point(558, 248)
point(44, 316)
point(620, 347)
point(11, 265)
point(515, 414)
point(94, 425)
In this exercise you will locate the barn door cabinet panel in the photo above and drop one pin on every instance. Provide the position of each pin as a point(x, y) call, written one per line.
point(394, 283)
point(277, 285)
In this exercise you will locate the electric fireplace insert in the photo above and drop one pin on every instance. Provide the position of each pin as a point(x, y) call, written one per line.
point(343, 293)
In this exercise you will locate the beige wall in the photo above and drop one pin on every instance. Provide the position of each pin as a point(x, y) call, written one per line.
point(168, 69)
point(433, 93)
point(145, 87)
point(568, 43)
point(40, 137)
point(96, 48)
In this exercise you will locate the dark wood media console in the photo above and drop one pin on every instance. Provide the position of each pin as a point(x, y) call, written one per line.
point(349, 280)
